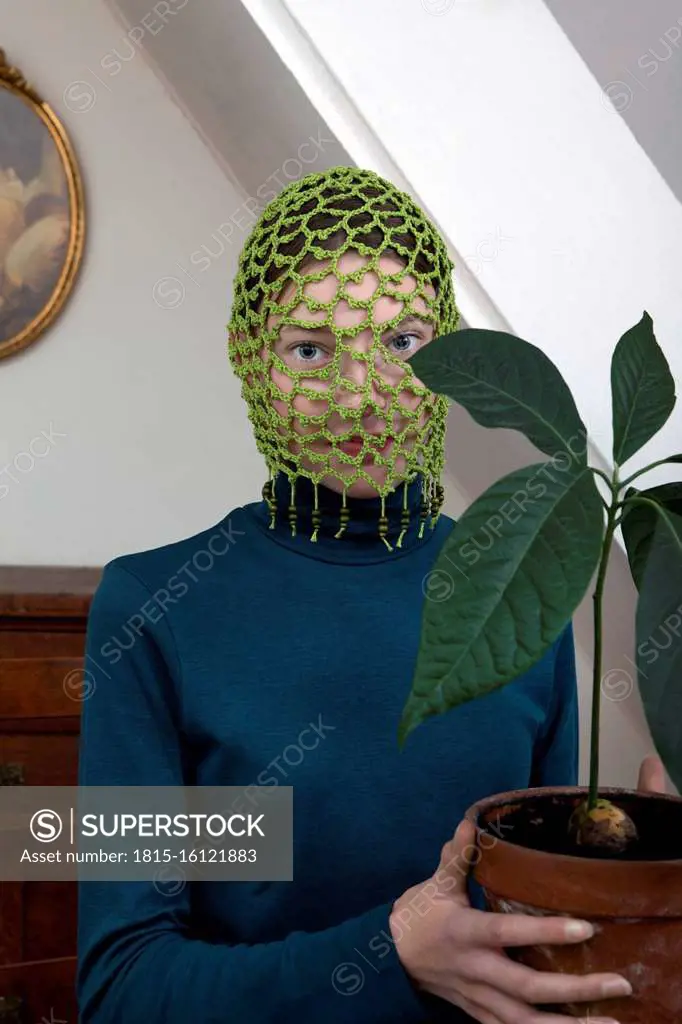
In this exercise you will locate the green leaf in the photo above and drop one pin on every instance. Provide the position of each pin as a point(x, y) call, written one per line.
point(504, 585)
point(640, 521)
point(659, 648)
point(503, 381)
point(642, 389)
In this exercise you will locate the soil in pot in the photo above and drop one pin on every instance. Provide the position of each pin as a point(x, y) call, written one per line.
point(527, 863)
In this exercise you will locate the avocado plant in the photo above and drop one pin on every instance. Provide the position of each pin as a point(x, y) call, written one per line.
point(522, 556)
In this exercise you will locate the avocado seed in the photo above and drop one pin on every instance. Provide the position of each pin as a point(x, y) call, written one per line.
point(605, 827)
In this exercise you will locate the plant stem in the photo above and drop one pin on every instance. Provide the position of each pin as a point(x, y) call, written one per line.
point(599, 472)
point(597, 598)
point(659, 462)
point(607, 480)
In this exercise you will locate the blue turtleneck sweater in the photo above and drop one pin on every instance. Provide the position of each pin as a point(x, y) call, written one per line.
point(243, 655)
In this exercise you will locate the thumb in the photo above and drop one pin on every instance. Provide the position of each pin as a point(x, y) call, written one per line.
point(457, 858)
point(651, 775)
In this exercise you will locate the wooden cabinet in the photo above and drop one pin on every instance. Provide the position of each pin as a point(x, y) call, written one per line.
point(43, 616)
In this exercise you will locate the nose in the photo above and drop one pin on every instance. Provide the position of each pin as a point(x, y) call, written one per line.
point(350, 387)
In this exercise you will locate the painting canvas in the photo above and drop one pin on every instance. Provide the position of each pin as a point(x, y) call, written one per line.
point(37, 251)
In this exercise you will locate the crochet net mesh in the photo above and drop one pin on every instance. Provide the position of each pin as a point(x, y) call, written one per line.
point(300, 238)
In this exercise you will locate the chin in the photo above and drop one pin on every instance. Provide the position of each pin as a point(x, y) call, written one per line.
point(363, 488)
point(360, 489)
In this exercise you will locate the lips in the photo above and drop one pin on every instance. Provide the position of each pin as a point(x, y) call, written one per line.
point(354, 445)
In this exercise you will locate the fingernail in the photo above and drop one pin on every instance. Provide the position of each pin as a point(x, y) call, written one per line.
point(617, 987)
point(579, 930)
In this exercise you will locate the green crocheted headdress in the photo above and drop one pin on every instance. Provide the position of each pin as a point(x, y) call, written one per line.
point(301, 238)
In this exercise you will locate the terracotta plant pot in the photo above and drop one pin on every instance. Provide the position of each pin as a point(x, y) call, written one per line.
point(634, 900)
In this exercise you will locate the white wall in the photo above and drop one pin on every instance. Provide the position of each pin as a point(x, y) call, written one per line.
point(634, 50)
point(156, 444)
point(249, 109)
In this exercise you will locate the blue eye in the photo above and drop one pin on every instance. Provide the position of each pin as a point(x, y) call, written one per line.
point(401, 337)
point(302, 351)
point(405, 343)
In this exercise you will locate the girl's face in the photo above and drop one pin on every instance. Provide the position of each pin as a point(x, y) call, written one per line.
point(313, 346)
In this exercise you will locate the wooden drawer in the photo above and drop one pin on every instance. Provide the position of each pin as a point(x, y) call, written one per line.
point(39, 720)
point(41, 687)
point(46, 989)
point(25, 643)
point(39, 759)
point(43, 613)
point(38, 920)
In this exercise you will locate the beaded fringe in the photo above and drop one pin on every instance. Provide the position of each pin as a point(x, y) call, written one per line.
point(430, 506)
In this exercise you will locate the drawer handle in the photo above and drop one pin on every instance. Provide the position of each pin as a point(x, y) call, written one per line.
point(10, 1009)
point(11, 775)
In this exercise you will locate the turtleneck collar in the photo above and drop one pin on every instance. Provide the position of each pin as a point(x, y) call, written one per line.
point(360, 541)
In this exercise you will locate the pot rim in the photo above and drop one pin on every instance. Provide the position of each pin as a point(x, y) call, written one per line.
point(514, 796)
point(588, 887)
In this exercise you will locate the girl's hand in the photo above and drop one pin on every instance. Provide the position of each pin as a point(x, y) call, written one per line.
point(456, 952)
point(651, 775)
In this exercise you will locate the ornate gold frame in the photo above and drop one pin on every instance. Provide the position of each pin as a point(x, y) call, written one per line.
point(13, 80)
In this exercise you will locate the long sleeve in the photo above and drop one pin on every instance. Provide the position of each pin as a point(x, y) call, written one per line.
point(138, 960)
point(556, 755)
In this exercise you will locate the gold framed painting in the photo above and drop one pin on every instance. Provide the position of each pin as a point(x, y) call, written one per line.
point(41, 213)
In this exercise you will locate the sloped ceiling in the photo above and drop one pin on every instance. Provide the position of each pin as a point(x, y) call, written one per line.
point(232, 85)
point(634, 51)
